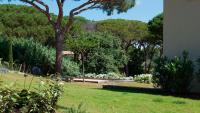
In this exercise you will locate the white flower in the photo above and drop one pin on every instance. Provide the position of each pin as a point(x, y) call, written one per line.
point(61, 83)
point(42, 82)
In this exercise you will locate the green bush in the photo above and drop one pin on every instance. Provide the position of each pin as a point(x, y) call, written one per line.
point(175, 74)
point(35, 54)
point(41, 100)
point(107, 56)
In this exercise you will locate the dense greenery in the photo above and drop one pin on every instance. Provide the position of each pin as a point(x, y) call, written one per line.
point(129, 32)
point(155, 27)
point(174, 75)
point(138, 41)
point(23, 21)
point(31, 54)
point(136, 60)
point(81, 46)
point(42, 100)
point(139, 47)
point(27, 22)
point(102, 52)
point(61, 29)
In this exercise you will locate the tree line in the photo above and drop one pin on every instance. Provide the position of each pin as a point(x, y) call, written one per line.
point(124, 46)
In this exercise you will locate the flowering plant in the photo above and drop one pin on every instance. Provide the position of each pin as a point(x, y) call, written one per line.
point(143, 78)
point(41, 100)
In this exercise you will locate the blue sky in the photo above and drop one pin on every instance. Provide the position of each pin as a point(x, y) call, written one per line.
point(144, 10)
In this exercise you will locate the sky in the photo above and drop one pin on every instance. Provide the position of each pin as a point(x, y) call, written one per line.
point(144, 10)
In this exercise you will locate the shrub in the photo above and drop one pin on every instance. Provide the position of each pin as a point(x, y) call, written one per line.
point(35, 54)
point(143, 78)
point(107, 56)
point(175, 74)
point(41, 100)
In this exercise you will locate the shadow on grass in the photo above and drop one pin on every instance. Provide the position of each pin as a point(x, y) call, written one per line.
point(152, 91)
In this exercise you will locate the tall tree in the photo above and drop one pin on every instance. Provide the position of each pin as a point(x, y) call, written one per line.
point(81, 45)
point(61, 30)
point(155, 27)
point(30, 23)
point(129, 31)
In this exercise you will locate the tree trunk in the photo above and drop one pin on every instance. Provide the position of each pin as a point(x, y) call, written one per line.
point(126, 70)
point(161, 50)
point(83, 67)
point(126, 67)
point(10, 54)
point(59, 49)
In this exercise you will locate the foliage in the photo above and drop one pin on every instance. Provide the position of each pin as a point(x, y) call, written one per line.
point(126, 30)
point(135, 62)
point(143, 78)
point(107, 56)
point(129, 32)
point(155, 27)
point(102, 52)
point(41, 100)
point(81, 45)
point(35, 54)
point(175, 74)
point(62, 29)
point(29, 23)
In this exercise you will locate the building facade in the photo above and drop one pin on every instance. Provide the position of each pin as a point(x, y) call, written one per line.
point(182, 30)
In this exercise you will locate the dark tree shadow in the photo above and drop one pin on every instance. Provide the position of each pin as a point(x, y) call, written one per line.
point(152, 91)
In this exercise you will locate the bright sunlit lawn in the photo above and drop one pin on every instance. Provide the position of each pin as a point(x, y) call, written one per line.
point(97, 100)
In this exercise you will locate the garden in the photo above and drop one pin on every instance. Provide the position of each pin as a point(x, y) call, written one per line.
point(94, 99)
point(53, 63)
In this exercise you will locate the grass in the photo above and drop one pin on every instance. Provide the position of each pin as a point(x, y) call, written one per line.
point(97, 100)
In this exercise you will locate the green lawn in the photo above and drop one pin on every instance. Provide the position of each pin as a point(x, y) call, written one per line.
point(97, 100)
